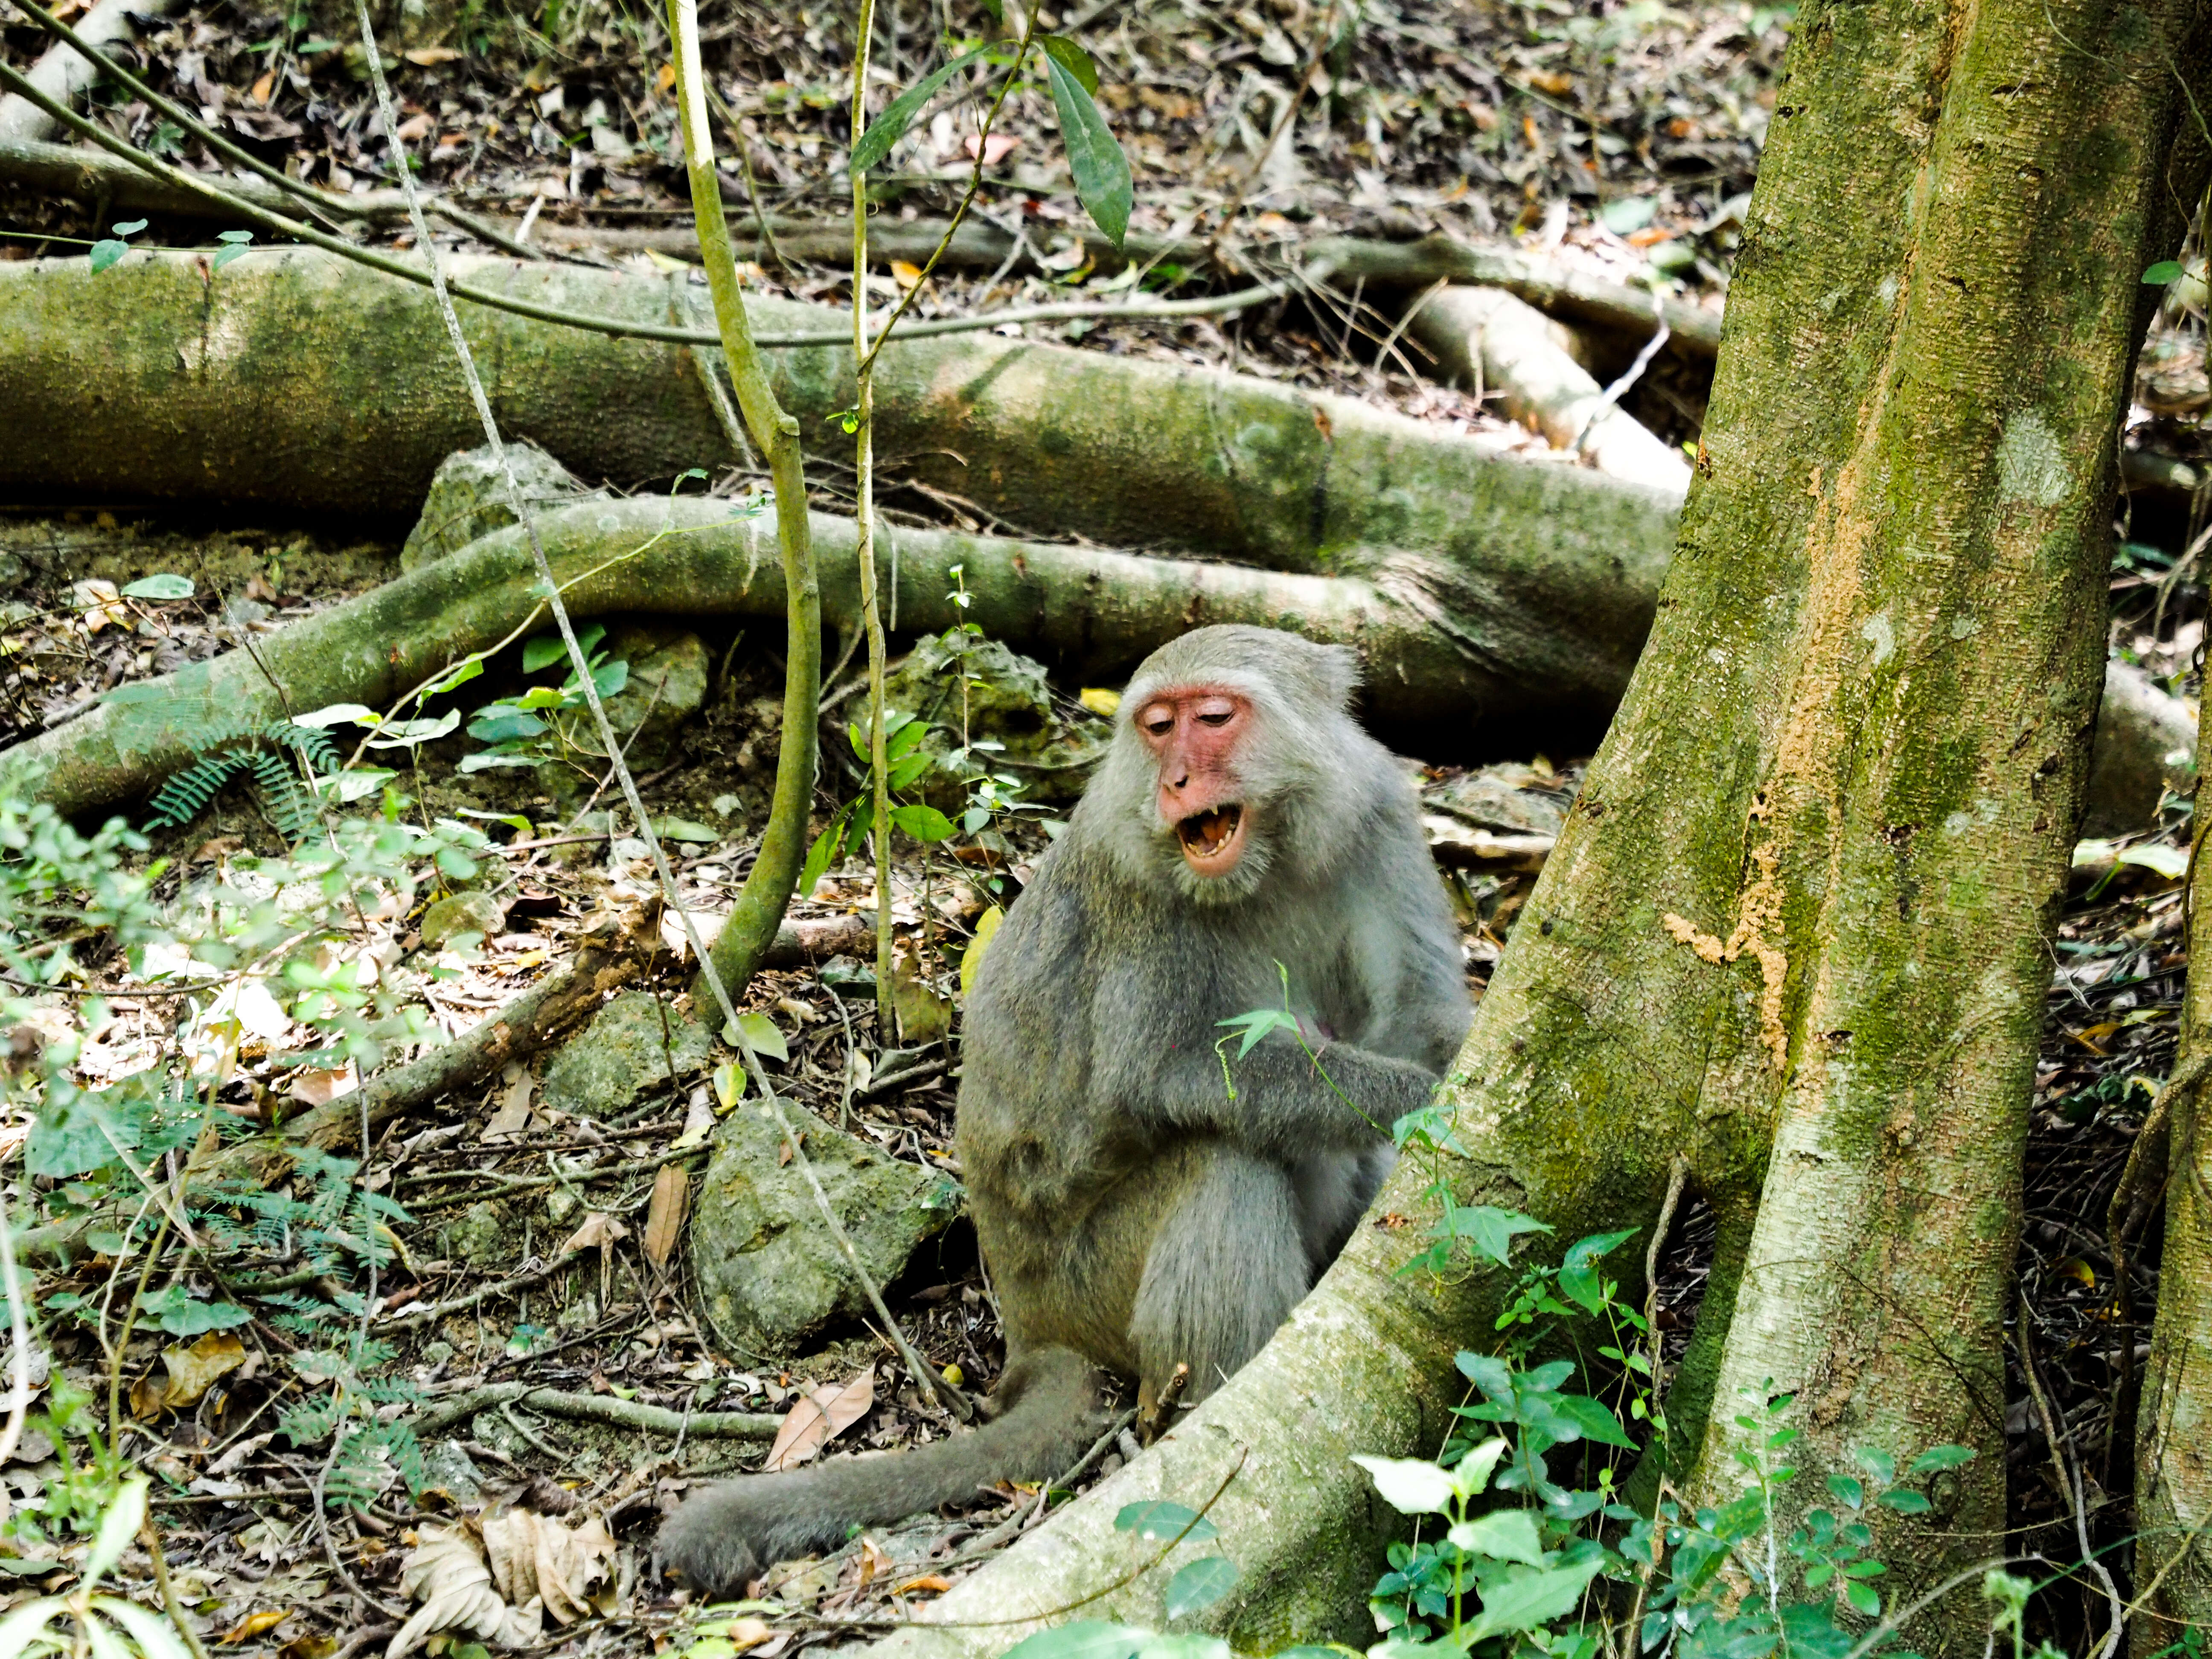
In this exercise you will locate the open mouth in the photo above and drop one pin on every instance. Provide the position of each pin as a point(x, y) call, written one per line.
point(1211, 840)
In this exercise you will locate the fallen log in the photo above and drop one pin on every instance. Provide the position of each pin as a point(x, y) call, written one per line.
point(1486, 338)
point(1093, 613)
point(61, 73)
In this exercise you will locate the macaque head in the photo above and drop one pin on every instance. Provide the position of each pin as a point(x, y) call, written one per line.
point(1227, 741)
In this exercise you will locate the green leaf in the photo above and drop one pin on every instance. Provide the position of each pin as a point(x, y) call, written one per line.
point(1879, 1464)
point(1936, 1458)
point(2171, 862)
point(546, 649)
point(1503, 1536)
point(1199, 1585)
point(456, 864)
point(163, 587)
point(924, 823)
point(759, 1030)
point(505, 728)
point(156, 1637)
point(1905, 1501)
point(181, 1314)
point(1259, 1023)
point(1489, 1230)
point(106, 254)
point(1578, 1277)
point(1593, 1417)
point(236, 238)
point(610, 678)
point(465, 671)
point(1864, 1597)
point(1186, 1644)
point(117, 1529)
point(538, 696)
point(1410, 1485)
point(1073, 58)
point(904, 735)
point(2165, 272)
point(898, 115)
point(682, 829)
point(406, 734)
point(224, 255)
point(818, 861)
point(1085, 1638)
point(907, 770)
point(337, 714)
point(1848, 1490)
point(1161, 1519)
point(129, 228)
point(1629, 215)
point(1101, 172)
point(1529, 1603)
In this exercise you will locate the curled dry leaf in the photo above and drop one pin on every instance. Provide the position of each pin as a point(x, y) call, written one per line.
point(447, 1572)
point(599, 1230)
point(818, 1417)
point(192, 1371)
point(534, 1559)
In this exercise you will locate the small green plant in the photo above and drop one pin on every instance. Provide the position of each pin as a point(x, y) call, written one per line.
point(546, 722)
point(284, 759)
point(106, 1626)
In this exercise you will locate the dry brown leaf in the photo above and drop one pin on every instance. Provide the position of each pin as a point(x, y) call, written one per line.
point(823, 1413)
point(308, 1647)
point(535, 1559)
point(599, 1230)
point(513, 1116)
point(698, 1120)
point(427, 56)
point(321, 1088)
point(254, 1623)
point(664, 1221)
point(192, 1371)
point(932, 1584)
point(447, 1572)
point(875, 1561)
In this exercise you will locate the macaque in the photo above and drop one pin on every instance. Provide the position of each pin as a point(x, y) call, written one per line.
point(1146, 1202)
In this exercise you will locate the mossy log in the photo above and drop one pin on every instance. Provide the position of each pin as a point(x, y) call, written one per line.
point(1094, 612)
point(294, 379)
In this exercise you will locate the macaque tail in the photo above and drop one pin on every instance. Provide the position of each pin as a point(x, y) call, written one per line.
point(722, 1539)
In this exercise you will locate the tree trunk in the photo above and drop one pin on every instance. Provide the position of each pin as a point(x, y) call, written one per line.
point(1801, 906)
point(2173, 1432)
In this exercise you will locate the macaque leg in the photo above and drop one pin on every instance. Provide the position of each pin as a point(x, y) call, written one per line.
point(1227, 1264)
point(1334, 1192)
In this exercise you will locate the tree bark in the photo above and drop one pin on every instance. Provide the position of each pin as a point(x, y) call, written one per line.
point(1801, 905)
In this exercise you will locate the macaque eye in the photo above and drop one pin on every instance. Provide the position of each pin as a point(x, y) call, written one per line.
point(1217, 717)
point(1159, 722)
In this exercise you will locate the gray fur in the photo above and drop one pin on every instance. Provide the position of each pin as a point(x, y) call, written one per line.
point(1134, 1215)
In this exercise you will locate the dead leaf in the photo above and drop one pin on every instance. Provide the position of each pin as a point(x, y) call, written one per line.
point(254, 1623)
point(308, 1647)
point(513, 1116)
point(447, 1572)
point(321, 1088)
point(875, 1560)
point(664, 1221)
point(427, 55)
point(698, 1120)
point(191, 1370)
point(995, 148)
point(824, 1412)
point(418, 127)
point(904, 273)
point(599, 1230)
point(935, 1583)
point(98, 603)
point(536, 1559)
point(238, 1454)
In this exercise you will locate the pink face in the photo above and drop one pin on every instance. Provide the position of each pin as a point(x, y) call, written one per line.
point(1194, 732)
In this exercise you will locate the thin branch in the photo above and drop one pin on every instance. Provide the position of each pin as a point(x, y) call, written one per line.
point(2066, 1481)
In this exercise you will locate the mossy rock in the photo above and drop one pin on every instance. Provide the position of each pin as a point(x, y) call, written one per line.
point(622, 1054)
point(668, 669)
point(1050, 745)
point(468, 499)
point(771, 1273)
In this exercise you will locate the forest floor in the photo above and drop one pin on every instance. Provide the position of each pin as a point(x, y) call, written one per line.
point(533, 1248)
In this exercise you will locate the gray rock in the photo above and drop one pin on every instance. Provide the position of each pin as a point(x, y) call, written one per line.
point(762, 1255)
point(487, 1235)
point(667, 685)
point(619, 1056)
point(1050, 747)
point(461, 913)
point(468, 499)
point(449, 1467)
point(1509, 798)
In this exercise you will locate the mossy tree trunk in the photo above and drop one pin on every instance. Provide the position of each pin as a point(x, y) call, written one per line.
point(1796, 929)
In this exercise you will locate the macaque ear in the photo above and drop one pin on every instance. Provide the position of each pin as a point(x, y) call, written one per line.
point(1336, 667)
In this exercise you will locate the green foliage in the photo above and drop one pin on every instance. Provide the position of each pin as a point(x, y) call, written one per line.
point(281, 757)
point(106, 1626)
point(546, 722)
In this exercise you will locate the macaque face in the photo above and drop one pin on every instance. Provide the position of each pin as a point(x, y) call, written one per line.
point(1195, 734)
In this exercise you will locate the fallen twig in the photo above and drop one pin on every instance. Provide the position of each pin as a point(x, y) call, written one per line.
point(596, 1408)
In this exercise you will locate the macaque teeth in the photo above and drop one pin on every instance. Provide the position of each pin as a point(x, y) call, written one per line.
point(1205, 834)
